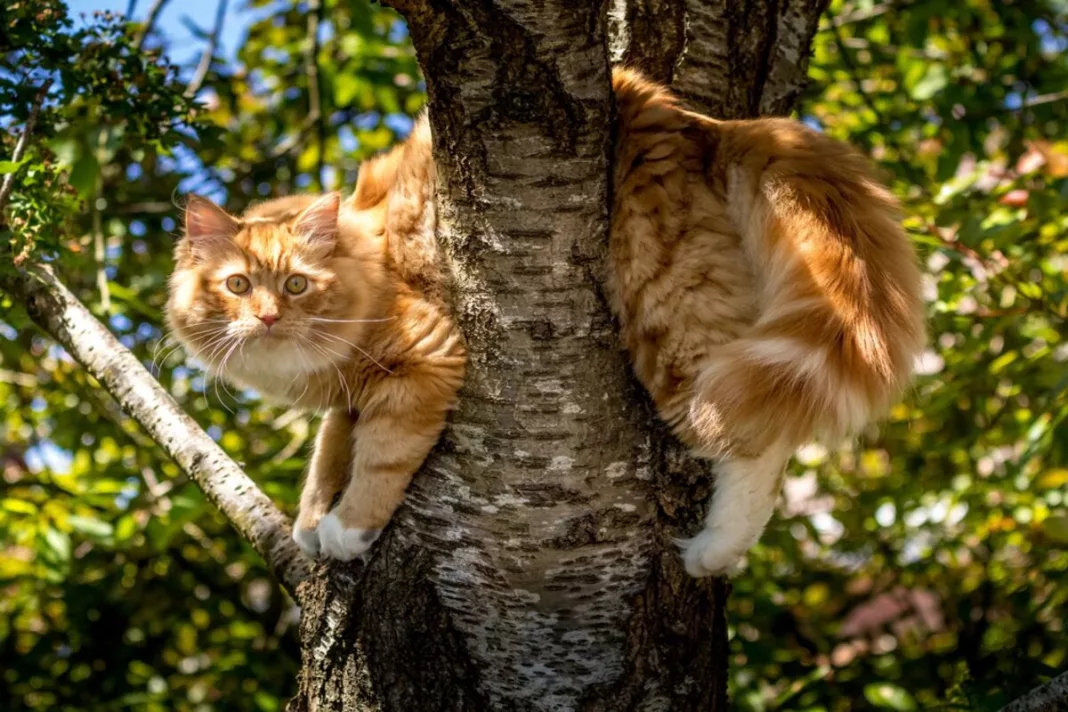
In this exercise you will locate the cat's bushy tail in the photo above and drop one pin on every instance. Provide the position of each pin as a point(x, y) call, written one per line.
point(839, 321)
point(840, 312)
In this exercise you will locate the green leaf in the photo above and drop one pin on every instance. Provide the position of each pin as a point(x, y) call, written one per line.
point(93, 528)
point(888, 696)
point(1056, 528)
point(932, 82)
point(125, 528)
point(83, 174)
point(1002, 361)
point(18, 506)
point(11, 166)
point(59, 543)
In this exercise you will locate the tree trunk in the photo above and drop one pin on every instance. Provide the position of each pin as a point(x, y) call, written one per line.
point(532, 565)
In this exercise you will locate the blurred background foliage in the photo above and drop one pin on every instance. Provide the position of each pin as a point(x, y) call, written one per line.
point(924, 566)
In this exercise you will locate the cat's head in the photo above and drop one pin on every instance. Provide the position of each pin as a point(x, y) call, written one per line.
point(276, 291)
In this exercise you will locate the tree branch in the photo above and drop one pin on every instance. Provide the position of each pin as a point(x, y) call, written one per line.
point(150, 22)
point(311, 70)
point(55, 309)
point(1050, 697)
point(209, 52)
point(20, 147)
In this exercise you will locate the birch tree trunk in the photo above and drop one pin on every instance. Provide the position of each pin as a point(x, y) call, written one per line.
point(532, 565)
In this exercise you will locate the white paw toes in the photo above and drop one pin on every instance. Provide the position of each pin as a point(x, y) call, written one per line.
point(337, 542)
point(713, 552)
point(307, 540)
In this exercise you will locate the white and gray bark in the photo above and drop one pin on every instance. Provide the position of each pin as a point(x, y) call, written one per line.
point(1051, 697)
point(55, 309)
point(730, 59)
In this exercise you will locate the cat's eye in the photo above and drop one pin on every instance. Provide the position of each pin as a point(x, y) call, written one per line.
point(238, 284)
point(296, 284)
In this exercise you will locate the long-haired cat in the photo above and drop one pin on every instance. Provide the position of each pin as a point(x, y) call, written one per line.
point(321, 306)
point(764, 289)
point(765, 292)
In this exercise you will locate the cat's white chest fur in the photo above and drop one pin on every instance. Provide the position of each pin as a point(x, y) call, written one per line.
point(276, 370)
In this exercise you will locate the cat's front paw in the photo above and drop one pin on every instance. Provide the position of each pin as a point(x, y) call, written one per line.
point(338, 542)
point(307, 539)
point(713, 552)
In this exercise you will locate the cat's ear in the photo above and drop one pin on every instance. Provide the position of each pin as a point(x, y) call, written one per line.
point(207, 222)
point(318, 223)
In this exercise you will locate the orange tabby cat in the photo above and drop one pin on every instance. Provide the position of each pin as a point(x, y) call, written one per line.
point(318, 305)
point(764, 290)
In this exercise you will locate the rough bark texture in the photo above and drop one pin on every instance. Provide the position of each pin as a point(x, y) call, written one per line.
point(55, 309)
point(1051, 697)
point(532, 566)
point(730, 59)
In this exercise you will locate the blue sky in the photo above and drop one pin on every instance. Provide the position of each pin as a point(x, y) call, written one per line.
point(183, 46)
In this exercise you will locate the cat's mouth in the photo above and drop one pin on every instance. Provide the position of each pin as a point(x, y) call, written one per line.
point(270, 338)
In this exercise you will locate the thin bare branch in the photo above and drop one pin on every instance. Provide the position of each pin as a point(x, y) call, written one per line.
point(1051, 98)
point(209, 52)
point(150, 21)
point(23, 142)
point(53, 307)
point(868, 13)
point(99, 246)
point(311, 70)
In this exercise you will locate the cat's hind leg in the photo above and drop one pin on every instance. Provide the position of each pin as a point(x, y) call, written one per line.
point(743, 500)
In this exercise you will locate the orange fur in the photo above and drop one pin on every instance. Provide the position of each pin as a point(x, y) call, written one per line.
point(370, 339)
point(764, 289)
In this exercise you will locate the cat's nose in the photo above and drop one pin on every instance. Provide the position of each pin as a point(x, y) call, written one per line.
point(268, 319)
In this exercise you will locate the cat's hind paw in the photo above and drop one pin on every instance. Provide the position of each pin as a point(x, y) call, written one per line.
point(337, 542)
point(307, 540)
point(713, 552)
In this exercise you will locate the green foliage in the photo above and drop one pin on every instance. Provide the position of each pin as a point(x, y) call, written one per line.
point(122, 588)
point(923, 567)
point(96, 93)
point(927, 566)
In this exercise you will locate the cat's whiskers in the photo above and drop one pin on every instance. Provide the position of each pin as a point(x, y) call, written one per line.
point(349, 321)
point(217, 346)
point(206, 360)
point(307, 369)
point(349, 343)
point(307, 381)
point(226, 345)
point(163, 350)
point(322, 349)
point(222, 367)
point(196, 333)
point(160, 344)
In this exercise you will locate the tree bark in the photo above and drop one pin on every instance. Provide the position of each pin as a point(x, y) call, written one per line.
point(532, 565)
point(1051, 697)
point(729, 59)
